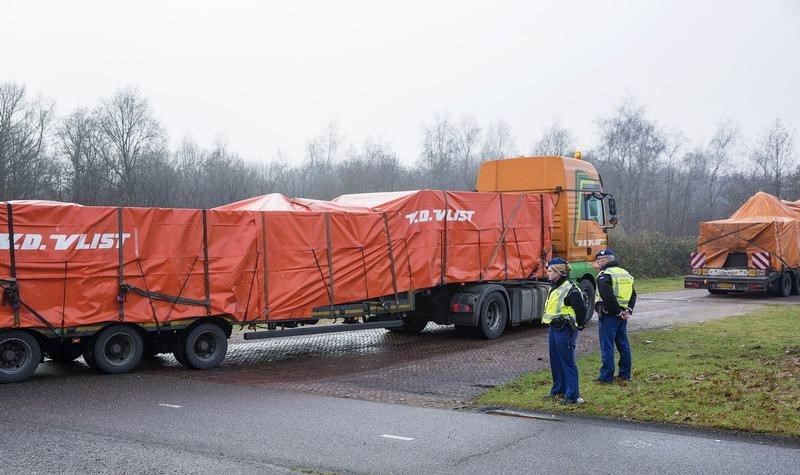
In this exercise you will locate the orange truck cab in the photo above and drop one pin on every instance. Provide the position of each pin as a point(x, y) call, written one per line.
point(582, 213)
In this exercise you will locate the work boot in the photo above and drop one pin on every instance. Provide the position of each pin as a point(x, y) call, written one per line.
point(565, 402)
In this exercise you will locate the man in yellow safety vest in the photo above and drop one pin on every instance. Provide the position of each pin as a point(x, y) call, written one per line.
point(614, 301)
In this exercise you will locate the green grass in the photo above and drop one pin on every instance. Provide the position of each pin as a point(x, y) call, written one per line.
point(739, 373)
point(658, 284)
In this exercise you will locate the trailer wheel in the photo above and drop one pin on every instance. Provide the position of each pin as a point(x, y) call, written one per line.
point(785, 284)
point(88, 353)
point(64, 352)
point(117, 349)
point(179, 348)
point(413, 324)
point(493, 316)
point(20, 355)
point(204, 346)
point(588, 290)
point(795, 283)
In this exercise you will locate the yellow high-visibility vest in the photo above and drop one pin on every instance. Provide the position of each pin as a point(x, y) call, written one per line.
point(555, 305)
point(622, 284)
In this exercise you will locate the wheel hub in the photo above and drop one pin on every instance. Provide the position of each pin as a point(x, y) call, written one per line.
point(118, 349)
point(9, 355)
point(14, 356)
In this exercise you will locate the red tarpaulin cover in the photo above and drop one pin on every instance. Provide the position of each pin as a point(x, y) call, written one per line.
point(269, 257)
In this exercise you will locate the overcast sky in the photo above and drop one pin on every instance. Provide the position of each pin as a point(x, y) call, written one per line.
point(269, 75)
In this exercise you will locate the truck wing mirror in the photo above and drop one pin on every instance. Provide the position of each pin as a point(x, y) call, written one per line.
point(612, 207)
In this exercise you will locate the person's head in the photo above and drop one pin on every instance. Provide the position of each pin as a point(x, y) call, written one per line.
point(557, 268)
point(602, 258)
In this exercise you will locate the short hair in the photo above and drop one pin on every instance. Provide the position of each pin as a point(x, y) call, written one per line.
point(562, 269)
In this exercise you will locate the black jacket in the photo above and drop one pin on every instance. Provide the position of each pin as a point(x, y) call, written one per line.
point(605, 287)
point(574, 299)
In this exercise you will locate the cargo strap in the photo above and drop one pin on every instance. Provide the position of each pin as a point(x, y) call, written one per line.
point(121, 272)
point(501, 241)
point(391, 260)
point(207, 303)
point(159, 296)
point(442, 279)
point(11, 297)
point(144, 280)
point(13, 294)
point(250, 292)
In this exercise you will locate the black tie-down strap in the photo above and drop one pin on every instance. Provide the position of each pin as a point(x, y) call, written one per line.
point(11, 297)
point(125, 288)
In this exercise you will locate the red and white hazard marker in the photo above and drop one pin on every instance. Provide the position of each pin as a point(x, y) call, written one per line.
point(760, 260)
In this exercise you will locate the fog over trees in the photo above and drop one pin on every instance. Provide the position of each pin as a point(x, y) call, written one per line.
point(117, 153)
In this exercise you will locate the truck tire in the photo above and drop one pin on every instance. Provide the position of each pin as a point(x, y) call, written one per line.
point(117, 349)
point(588, 290)
point(413, 324)
point(795, 282)
point(204, 346)
point(493, 317)
point(179, 348)
point(64, 352)
point(20, 355)
point(88, 353)
point(785, 284)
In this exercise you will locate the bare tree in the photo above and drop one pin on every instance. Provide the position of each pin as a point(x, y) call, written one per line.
point(24, 128)
point(631, 148)
point(774, 157)
point(467, 153)
point(439, 150)
point(322, 154)
point(228, 178)
point(556, 141)
point(128, 134)
point(77, 138)
point(497, 142)
point(373, 167)
point(718, 159)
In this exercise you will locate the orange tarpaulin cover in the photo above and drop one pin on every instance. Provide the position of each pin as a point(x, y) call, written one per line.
point(269, 257)
point(764, 223)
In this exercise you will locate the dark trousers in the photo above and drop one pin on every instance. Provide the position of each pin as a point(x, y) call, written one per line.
point(562, 361)
point(614, 332)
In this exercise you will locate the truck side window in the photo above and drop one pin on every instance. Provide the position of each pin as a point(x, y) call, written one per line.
point(592, 209)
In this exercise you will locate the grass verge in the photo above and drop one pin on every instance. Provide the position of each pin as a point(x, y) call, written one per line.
point(739, 373)
point(658, 284)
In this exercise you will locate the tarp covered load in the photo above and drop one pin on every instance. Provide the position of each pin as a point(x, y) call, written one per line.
point(764, 223)
point(78, 265)
point(387, 243)
point(265, 258)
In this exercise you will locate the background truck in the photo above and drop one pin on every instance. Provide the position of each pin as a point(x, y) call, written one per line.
point(114, 284)
point(757, 250)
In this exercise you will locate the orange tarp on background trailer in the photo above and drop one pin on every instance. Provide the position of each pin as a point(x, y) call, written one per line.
point(269, 257)
point(763, 223)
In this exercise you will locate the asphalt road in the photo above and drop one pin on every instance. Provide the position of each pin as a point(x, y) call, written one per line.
point(162, 424)
point(269, 410)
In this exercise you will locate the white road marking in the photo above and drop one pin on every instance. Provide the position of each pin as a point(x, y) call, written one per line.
point(173, 406)
point(398, 437)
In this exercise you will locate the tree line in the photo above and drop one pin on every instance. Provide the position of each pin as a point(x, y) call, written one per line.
point(117, 154)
